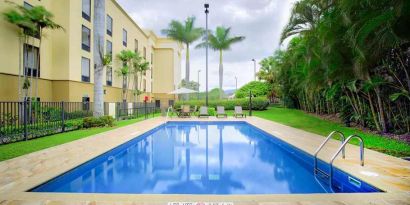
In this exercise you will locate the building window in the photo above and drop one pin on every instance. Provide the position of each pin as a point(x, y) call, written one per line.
point(86, 9)
point(171, 102)
point(31, 60)
point(152, 66)
point(145, 85)
point(145, 53)
point(85, 38)
point(27, 5)
point(136, 45)
point(124, 37)
point(86, 103)
point(109, 48)
point(85, 69)
point(157, 103)
point(27, 32)
point(109, 76)
point(109, 25)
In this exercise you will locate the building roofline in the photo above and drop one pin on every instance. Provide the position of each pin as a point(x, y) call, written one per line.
point(129, 17)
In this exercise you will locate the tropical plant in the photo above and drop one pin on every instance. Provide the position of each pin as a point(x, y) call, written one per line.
point(220, 41)
point(31, 21)
point(185, 33)
point(125, 57)
point(256, 87)
point(346, 57)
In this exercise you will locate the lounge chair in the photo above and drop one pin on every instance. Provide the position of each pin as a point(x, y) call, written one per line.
point(186, 111)
point(194, 110)
point(238, 112)
point(203, 111)
point(220, 111)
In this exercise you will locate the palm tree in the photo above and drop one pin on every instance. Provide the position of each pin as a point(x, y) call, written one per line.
point(99, 33)
point(32, 22)
point(136, 61)
point(139, 66)
point(221, 41)
point(125, 57)
point(185, 33)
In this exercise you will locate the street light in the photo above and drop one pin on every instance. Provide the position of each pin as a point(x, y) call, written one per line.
point(198, 84)
point(254, 69)
point(236, 83)
point(206, 50)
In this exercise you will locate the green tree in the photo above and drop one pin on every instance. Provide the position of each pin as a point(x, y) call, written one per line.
point(258, 89)
point(125, 57)
point(221, 41)
point(185, 33)
point(31, 21)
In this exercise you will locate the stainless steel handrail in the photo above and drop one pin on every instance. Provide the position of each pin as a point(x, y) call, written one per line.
point(342, 136)
point(342, 147)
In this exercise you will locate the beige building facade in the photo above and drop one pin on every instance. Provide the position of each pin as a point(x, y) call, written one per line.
point(66, 55)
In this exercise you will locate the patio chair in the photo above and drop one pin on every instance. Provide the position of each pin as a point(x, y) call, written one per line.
point(194, 110)
point(203, 112)
point(220, 111)
point(186, 111)
point(238, 112)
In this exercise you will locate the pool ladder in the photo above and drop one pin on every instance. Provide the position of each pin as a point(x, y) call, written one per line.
point(341, 149)
point(168, 111)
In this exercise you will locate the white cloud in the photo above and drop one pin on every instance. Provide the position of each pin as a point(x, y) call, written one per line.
point(260, 21)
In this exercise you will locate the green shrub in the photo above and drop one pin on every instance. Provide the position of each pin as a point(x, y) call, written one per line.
point(258, 89)
point(107, 120)
point(74, 124)
point(211, 111)
point(104, 121)
point(258, 103)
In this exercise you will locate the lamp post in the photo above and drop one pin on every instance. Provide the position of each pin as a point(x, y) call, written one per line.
point(236, 83)
point(206, 50)
point(254, 69)
point(198, 84)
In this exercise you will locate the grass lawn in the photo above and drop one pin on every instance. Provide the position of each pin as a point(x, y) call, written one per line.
point(299, 119)
point(12, 150)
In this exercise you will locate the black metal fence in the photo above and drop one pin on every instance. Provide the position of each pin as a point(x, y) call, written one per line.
point(27, 120)
point(137, 109)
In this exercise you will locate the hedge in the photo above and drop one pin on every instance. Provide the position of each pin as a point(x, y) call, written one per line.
point(258, 89)
point(258, 103)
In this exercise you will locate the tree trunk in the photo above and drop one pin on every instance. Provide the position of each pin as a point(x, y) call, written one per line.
point(187, 64)
point(19, 90)
point(38, 65)
point(381, 110)
point(374, 113)
point(136, 86)
point(99, 32)
point(221, 75)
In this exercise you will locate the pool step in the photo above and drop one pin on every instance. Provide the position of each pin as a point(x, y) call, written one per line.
point(323, 173)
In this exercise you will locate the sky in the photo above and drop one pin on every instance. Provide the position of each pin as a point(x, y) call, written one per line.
point(260, 21)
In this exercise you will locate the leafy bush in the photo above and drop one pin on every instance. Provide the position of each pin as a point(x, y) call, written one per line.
point(258, 103)
point(258, 89)
point(74, 124)
point(103, 121)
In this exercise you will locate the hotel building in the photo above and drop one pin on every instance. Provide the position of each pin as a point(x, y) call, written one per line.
point(66, 55)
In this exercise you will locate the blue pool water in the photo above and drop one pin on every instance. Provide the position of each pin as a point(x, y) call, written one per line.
point(202, 158)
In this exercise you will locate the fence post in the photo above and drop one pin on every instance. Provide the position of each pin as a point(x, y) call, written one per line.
point(145, 109)
point(250, 102)
point(25, 118)
point(62, 117)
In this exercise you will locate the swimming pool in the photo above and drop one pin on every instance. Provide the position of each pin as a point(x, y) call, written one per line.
point(203, 158)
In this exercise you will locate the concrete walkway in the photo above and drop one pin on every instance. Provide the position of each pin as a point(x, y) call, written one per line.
point(23, 173)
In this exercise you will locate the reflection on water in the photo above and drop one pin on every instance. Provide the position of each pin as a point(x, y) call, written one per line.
point(195, 158)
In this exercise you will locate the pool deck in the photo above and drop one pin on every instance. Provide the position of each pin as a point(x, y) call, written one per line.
point(17, 175)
